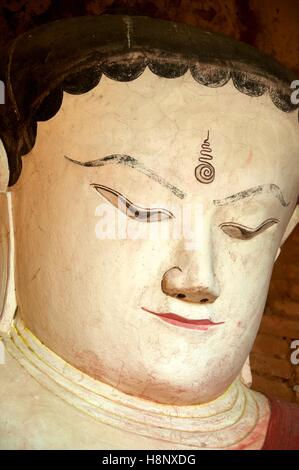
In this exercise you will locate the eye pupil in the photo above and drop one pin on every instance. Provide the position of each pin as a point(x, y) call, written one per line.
point(137, 213)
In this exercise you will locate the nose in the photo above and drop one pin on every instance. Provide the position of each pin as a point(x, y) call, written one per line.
point(192, 277)
point(177, 283)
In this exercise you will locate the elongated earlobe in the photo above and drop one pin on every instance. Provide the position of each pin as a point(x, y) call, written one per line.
point(290, 227)
point(4, 170)
point(246, 375)
point(7, 283)
point(278, 253)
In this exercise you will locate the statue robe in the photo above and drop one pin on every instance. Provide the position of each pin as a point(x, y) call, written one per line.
point(283, 428)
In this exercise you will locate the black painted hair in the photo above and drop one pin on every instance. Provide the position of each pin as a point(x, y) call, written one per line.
point(71, 55)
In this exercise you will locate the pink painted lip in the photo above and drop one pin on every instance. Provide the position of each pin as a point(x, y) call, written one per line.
point(177, 320)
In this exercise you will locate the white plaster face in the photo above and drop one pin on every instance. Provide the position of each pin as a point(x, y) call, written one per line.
point(88, 299)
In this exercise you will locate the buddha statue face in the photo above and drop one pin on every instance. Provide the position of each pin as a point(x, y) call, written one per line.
point(212, 173)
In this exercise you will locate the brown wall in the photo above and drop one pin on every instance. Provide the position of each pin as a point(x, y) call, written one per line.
point(272, 27)
point(270, 358)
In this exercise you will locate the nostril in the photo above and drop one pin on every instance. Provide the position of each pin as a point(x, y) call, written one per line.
point(180, 296)
point(204, 301)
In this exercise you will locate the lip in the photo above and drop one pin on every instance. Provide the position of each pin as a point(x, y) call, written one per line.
point(183, 322)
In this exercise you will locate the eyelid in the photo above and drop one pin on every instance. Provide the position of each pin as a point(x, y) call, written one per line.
point(129, 208)
point(242, 232)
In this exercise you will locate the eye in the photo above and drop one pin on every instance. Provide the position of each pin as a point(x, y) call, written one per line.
point(131, 210)
point(246, 233)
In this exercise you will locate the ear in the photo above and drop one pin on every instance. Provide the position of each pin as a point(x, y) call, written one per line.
point(290, 227)
point(246, 376)
point(4, 170)
point(8, 302)
point(292, 224)
point(7, 284)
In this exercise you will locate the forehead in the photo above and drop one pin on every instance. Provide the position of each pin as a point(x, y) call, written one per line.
point(164, 122)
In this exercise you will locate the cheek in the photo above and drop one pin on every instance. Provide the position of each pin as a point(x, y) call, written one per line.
point(246, 262)
point(121, 270)
point(244, 270)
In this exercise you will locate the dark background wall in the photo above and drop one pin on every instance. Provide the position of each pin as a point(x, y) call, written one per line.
point(273, 27)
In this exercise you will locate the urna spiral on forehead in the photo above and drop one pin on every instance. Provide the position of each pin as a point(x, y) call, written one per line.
point(71, 55)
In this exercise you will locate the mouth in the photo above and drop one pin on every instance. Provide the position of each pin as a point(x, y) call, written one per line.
point(183, 322)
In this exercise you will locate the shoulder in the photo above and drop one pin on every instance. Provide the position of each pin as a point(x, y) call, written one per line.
point(283, 429)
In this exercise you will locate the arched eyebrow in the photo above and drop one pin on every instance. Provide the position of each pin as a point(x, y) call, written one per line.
point(263, 188)
point(122, 159)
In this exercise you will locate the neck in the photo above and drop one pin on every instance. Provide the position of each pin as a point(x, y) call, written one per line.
point(238, 419)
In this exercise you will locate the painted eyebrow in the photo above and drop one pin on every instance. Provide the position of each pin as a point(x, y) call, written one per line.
point(122, 159)
point(263, 188)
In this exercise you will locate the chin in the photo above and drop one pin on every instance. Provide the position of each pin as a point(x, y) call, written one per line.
point(189, 394)
point(181, 386)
